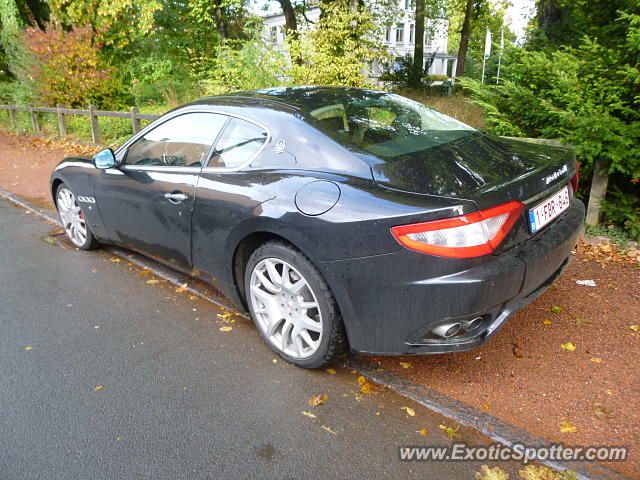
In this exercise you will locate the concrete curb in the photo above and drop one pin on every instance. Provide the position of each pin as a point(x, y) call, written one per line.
point(462, 413)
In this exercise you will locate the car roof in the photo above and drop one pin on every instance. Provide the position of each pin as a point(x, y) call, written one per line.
point(299, 99)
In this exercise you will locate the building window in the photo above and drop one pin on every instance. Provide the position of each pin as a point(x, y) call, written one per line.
point(273, 34)
point(400, 33)
point(388, 35)
point(407, 4)
point(412, 33)
point(428, 41)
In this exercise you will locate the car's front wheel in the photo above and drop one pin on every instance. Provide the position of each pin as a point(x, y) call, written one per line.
point(293, 306)
point(72, 219)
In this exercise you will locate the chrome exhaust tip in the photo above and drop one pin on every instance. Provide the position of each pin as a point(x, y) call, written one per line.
point(447, 330)
point(470, 325)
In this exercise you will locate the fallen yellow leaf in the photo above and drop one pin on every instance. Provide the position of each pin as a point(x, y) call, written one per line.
point(309, 414)
point(181, 288)
point(144, 272)
point(361, 380)
point(566, 427)
point(331, 371)
point(596, 359)
point(547, 322)
point(423, 432)
point(28, 347)
point(275, 360)
point(368, 387)
point(486, 406)
point(410, 411)
point(405, 364)
point(316, 400)
point(226, 329)
point(98, 388)
point(449, 430)
point(329, 430)
point(568, 346)
point(153, 281)
point(114, 260)
point(634, 328)
point(193, 297)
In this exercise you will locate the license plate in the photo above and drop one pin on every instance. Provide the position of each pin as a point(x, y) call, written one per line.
point(551, 208)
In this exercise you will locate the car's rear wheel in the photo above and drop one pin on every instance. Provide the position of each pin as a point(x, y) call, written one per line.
point(293, 307)
point(72, 219)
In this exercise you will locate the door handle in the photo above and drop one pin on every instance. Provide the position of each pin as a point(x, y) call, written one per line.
point(175, 197)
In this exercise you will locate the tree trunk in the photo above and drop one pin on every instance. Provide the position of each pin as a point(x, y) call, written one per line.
point(417, 71)
point(290, 22)
point(464, 38)
point(599, 184)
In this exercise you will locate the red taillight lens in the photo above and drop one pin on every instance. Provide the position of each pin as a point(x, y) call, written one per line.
point(471, 235)
point(576, 178)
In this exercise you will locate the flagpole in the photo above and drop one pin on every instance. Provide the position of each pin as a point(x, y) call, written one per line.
point(500, 56)
point(487, 52)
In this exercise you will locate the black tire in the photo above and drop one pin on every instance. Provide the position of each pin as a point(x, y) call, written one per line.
point(90, 241)
point(333, 341)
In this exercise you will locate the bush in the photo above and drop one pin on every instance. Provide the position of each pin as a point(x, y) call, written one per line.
point(623, 209)
point(66, 67)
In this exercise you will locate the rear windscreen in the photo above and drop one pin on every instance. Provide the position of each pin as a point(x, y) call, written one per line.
point(384, 124)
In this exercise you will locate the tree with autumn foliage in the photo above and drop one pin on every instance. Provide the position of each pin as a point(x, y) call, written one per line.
point(66, 67)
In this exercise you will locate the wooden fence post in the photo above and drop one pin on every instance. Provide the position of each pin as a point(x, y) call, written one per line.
point(34, 120)
point(62, 121)
point(135, 121)
point(12, 116)
point(598, 191)
point(95, 127)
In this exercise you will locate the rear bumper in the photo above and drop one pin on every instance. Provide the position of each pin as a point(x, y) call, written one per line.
point(390, 303)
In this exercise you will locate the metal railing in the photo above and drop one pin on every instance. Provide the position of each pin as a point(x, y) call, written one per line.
point(134, 115)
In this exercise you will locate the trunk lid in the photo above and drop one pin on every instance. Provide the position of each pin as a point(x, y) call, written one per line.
point(483, 168)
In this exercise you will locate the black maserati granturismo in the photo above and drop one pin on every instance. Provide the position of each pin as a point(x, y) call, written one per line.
point(339, 217)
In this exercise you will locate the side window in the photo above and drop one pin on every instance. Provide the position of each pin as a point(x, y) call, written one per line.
point(240, 141)
point(183, 141)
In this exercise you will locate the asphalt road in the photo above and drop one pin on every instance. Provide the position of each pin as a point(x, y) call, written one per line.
point(180, 398)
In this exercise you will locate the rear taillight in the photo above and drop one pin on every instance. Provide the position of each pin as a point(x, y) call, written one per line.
point(471, 235)
point(576, 178)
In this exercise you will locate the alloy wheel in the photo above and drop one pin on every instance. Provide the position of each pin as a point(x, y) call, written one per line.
point(71, 216)
point(285, 308)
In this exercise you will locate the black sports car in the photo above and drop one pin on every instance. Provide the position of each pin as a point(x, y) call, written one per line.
point(337, 216)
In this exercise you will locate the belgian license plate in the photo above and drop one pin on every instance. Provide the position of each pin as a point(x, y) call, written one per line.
point(551, 208)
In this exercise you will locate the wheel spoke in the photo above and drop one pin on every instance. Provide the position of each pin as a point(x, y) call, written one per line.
point(307, 305)
point(286, 334)
point(307, 339)
point(266, 283)
point(307, 323)
point(273, 273)
point(265, 297)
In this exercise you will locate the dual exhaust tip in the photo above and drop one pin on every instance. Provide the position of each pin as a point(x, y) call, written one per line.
point(448, 330)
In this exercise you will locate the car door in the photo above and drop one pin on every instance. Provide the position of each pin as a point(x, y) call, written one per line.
point(228, 194)
point(146, 202)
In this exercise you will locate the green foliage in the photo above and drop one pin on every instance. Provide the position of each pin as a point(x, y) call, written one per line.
point(339, 50)
point(575, 95)
point(624, 209)
point(243, 66)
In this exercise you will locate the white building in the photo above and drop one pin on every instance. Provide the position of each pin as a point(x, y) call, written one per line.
point(400, 38)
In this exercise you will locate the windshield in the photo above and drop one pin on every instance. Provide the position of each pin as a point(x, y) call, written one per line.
point(384, 124)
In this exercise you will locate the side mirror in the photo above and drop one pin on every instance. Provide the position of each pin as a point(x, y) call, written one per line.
point(104, 159)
